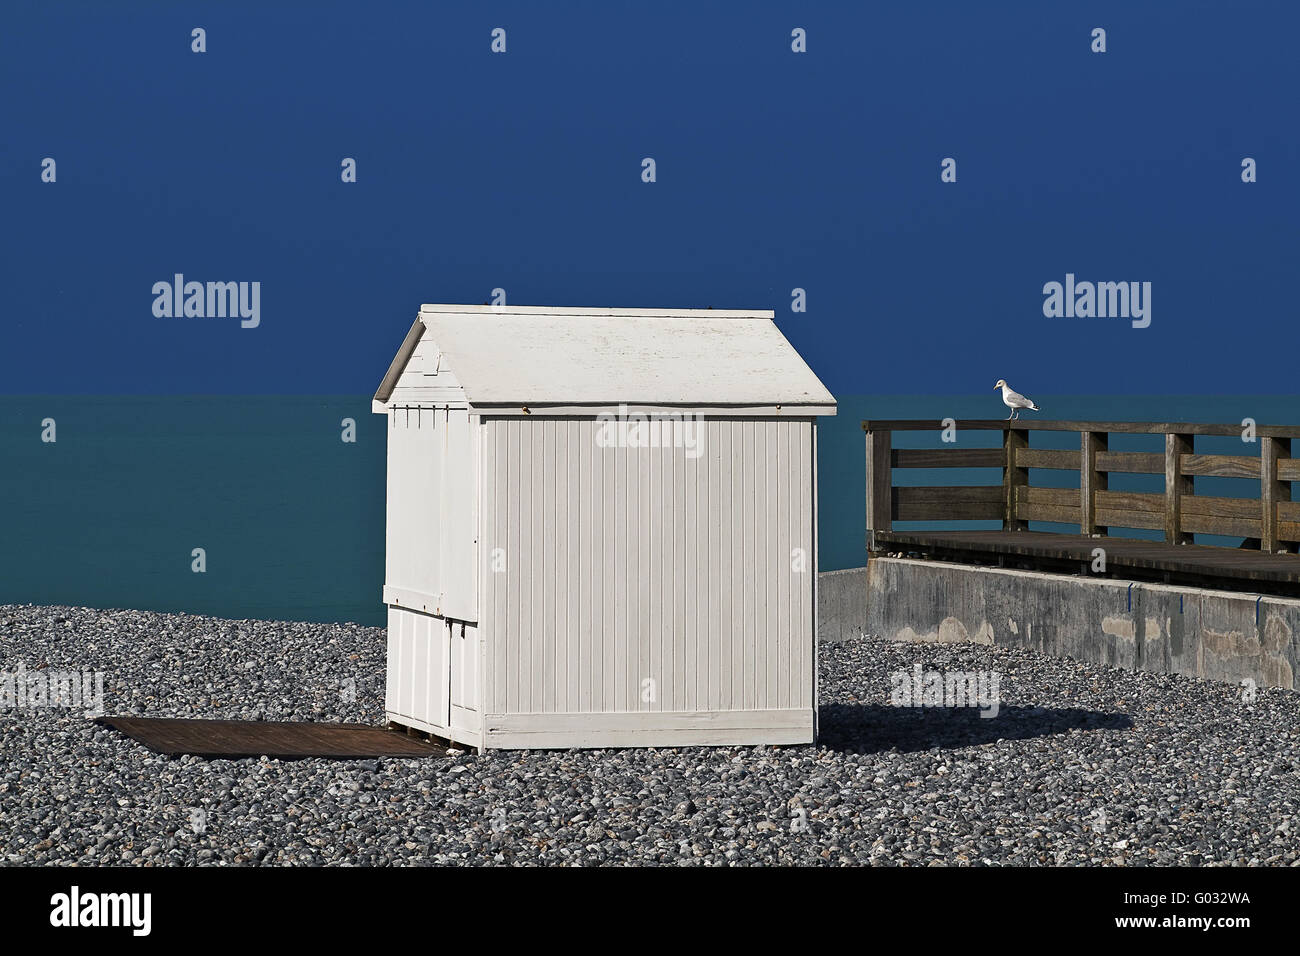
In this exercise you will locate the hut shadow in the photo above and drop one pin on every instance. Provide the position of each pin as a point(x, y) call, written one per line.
point(875, 728)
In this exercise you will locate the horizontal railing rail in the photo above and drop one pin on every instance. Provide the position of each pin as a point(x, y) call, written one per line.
point(1270, 519)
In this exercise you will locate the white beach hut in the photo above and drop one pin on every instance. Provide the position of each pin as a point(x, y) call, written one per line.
point(601, 528)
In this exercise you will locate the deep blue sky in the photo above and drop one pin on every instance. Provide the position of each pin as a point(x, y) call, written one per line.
point(775, 170)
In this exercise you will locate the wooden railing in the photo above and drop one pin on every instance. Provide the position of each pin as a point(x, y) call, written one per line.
point(1271, 519)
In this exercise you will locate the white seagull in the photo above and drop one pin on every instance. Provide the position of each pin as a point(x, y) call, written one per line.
point(1014, 400)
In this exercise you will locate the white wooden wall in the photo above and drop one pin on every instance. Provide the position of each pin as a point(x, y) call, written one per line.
point(433, 674)
point(622, 564)
point(426, 379)
point(418, 686)
point(432, 523)
point(431, 578)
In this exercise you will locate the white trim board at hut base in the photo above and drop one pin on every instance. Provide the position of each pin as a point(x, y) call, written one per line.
point(549, 587)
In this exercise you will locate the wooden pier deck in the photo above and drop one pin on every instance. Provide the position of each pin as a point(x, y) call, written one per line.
point(1190, 564)
point(1268, 521)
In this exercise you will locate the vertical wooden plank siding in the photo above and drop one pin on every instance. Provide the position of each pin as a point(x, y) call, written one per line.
point(772, 599)
point(648, 696)
point(800, 513)
point(392, 682)
point(756, 612)
point(414, 469)
point(464, 665)
point(624, 564)
point(727, 587)
point(432, 519)
point(579, 501)
point(806, 578)
point(814, 568)
point(458, 504)
point(511, 542)
point(739, 564)
point(419, 685)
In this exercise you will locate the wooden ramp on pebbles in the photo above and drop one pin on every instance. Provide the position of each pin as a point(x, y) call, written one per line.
point(282, 740)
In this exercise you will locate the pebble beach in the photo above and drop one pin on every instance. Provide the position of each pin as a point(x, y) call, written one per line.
point(1083, 765)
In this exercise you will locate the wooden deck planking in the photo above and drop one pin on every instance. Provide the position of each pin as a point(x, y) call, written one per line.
point(1234, 567)
point(285, 740)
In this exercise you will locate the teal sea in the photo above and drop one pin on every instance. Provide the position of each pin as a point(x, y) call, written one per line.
point(291, 518)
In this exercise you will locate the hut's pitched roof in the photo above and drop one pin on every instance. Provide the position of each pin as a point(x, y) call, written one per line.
point(507, 357)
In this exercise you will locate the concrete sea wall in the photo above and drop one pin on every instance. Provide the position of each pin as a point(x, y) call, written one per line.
point(1219, 635)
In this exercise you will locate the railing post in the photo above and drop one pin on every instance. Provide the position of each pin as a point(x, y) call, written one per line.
point(1013, 476)
point(1177, 485)
point(880, 485)
point(1271, 490)
point(1091, 480)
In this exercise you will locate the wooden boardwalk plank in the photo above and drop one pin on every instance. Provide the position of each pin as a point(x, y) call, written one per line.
point(285, 740)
